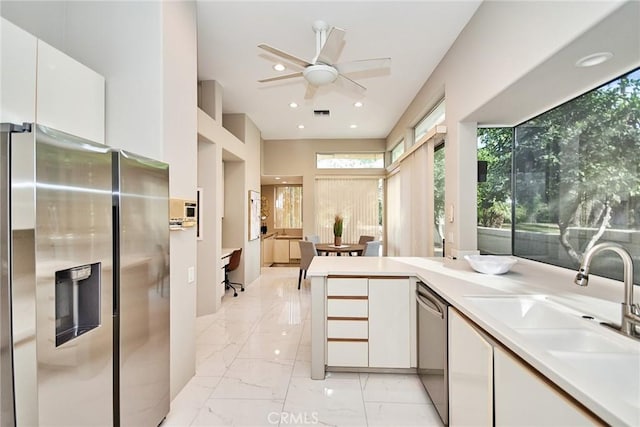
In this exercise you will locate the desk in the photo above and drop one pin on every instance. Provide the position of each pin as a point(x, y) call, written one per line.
point(348, 248)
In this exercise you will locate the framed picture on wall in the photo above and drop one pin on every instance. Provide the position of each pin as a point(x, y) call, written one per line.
point(254, 215)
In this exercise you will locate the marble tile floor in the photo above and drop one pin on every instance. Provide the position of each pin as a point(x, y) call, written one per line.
point(253, 369)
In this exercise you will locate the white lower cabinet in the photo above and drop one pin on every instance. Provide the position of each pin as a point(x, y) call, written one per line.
point(267, 251)
point(389, 323)
point(470, 374)
point(523, 398)
point(281, 251)
point(347, 322)
point(294, 249)
point(490, 386)
point(369, 322)
point(348, 353)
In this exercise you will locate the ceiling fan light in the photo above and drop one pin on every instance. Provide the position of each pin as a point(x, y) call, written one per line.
point(320, 74)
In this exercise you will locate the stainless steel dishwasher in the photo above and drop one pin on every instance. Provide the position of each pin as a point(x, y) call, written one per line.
point(432, 348)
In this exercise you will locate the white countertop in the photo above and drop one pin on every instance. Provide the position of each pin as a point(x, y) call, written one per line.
point(456, 282)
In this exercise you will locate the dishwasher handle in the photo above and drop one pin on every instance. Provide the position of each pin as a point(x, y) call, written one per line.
point(424, 300)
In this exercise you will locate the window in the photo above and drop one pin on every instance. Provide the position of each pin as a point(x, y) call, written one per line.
point(357, 199)
point(397, 151)
point(495, 146)
point(577, 179)
point(288, 207)
point(438, 200)
point(435, 117)
point(350, 160)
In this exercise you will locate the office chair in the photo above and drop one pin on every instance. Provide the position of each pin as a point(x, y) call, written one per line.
point(307, 252)
point(234, 262)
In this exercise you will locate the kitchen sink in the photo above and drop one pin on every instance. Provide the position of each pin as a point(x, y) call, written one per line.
point(573, 340)
point(619, 371)
point(528, 311)
point(553, 326)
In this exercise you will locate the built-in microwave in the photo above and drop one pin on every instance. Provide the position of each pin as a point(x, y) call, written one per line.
point(183, 212)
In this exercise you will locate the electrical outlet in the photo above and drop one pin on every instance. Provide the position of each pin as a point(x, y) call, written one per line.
point(191, 274)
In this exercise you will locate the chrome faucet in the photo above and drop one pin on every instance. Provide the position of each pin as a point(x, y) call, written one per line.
point(630, 311)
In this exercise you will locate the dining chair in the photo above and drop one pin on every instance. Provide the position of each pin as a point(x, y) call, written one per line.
point(234, 262)
point(363, 240)
point(315, 239)
point(372, 248)
point(307, 252)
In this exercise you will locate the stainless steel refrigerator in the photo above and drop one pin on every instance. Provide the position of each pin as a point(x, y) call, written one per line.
point(81, 287)
point(141, 212)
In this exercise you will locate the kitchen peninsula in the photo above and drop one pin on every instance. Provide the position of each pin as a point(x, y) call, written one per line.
point(547, 357)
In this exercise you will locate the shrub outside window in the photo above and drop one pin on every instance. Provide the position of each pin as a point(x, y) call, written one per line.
point(577, 179)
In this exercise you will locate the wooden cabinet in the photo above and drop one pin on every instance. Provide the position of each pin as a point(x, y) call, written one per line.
point(524, 398)
point(281, 251)
point(18, 53)
point(70, 96)
point(368, 322)
point(389, 323)
point(470, 374)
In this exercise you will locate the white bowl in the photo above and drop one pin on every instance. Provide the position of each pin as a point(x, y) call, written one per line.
point(490, 264)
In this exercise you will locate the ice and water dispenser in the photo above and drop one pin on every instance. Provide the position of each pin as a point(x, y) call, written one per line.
point(77, 301)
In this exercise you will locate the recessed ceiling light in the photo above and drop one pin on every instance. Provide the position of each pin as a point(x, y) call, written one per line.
point(353, 126)
point(358, 104)
point(277, 178)
point(300, 126)
point(279, 67)
point(594, 59)
point(284, 182)
point(293, 105)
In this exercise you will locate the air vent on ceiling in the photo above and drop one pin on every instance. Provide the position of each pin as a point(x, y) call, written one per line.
point(321, 113)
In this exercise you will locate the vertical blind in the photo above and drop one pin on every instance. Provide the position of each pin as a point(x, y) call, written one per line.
point(356, 199)
point(393, 218)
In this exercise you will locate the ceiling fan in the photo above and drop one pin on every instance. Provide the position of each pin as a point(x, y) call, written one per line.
point(323, 70)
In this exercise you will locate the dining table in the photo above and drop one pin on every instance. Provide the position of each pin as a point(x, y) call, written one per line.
point(348, 248)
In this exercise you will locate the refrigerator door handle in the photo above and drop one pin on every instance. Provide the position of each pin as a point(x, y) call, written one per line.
point(7, 392)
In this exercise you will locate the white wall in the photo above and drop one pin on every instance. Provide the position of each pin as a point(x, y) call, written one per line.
point(179, 126)
point(147, 53)
point(297, 157)
point(240, 174)
point(502, 43)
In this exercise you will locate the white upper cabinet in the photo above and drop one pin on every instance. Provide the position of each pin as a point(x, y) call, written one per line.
point(18, 74)
point(70, 96)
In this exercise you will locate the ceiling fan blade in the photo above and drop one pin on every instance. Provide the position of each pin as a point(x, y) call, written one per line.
point(332, 46)
point(347, 83)
point(284, 55)
point(286, 76)
point(311, 91)
point(363, 65)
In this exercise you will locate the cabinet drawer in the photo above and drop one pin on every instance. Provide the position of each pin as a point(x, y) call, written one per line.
point(347, 287)
point(347, 329)
point(347, 308)
point(345, 353)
